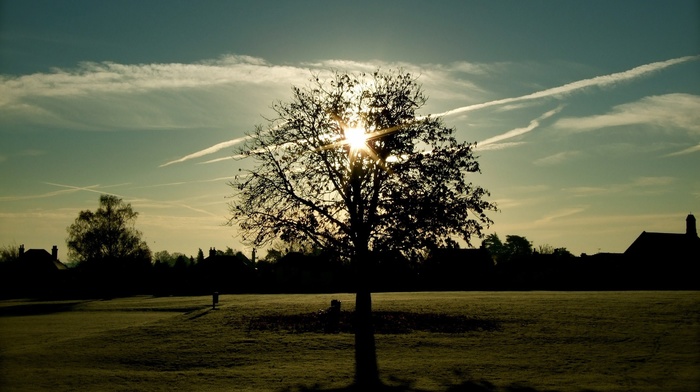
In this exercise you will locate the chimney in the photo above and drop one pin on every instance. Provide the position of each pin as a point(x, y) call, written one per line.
point(54, 252)
point(690, 228)
point(21, 250)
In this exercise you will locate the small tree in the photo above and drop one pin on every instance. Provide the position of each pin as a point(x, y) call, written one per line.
point(9, 254)
point(545, 249)
point(495, 247)
point(349, 167)
point(107, 238)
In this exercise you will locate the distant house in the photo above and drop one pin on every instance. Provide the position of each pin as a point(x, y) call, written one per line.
point(35, 272)
point(40, 261)
point(666, 260)
point(652, 245)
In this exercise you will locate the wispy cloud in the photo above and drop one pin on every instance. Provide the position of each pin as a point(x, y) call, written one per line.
point(563, 213)
point(688, 150)
point(664, 111)
point(110, 96)
point(557, 158)
point(640, 184)
point(42, 195)
point(91, 77)
point(23, 153)
point(142, 201)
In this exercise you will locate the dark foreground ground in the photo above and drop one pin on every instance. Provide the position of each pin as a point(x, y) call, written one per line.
point(448, 341)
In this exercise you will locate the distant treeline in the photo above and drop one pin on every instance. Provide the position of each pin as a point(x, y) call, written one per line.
point(295, 272)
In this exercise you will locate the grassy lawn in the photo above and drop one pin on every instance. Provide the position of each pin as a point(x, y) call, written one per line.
point(543, 341)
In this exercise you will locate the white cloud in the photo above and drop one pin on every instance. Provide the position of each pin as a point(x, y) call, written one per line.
point(664, 111)
point(90, 77)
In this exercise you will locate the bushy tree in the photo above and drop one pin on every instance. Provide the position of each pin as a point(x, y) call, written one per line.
point(350, 166)
point(495, 247)
point(517, 246)
point(107, 236)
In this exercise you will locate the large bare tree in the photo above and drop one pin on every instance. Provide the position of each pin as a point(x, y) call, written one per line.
point(348, 165)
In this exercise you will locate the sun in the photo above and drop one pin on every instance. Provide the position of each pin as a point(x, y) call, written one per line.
point(356, 138)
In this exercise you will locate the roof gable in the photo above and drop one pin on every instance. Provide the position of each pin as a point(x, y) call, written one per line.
point(40, 260)
point(656, 243)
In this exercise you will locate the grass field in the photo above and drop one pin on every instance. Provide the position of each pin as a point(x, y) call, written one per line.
point(544, 341)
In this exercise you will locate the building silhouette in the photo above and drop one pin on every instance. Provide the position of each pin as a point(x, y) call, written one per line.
point(666, 260)
point(40, 261)
point(663, 246)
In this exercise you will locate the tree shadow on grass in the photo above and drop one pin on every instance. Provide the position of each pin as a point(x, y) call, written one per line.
point(465, 386)
point(37, 309)
point(392, 323)
point(384, 323)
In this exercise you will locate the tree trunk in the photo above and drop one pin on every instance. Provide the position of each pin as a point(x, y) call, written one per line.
point(366, 369)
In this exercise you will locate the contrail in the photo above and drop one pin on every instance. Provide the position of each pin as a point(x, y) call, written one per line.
point(207, 151)
point(598, 81)
point(90, 188)
point(519, 131)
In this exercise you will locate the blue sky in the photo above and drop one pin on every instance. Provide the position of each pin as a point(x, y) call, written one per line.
point(586, 114)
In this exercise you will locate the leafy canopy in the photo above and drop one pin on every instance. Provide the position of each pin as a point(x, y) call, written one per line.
point(348, 165)
point(106, 234)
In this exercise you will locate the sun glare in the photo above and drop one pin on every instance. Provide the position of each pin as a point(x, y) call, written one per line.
point(356, 138)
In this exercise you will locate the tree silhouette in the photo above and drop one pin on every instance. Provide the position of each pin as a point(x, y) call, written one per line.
point(517, 246)
point(348, 166)
point(107, 240)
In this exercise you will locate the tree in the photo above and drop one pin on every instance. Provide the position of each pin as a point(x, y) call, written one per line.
point(494, 245)
point(9, 253)
point(517, 246)
point(107, 238)
point(545, 249)
point(349, 166)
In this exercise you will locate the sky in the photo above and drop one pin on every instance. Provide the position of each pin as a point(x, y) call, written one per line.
point(586, 114)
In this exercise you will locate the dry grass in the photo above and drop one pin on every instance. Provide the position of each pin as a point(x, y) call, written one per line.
point(545, 341)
